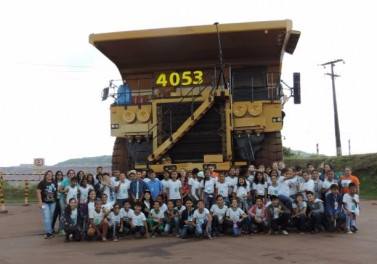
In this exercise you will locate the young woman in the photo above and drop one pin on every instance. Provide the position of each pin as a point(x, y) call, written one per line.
point(185, 190)
point(116, 222)
point(58, 211)
point(208, 188)
point(47, 196)
point(260, 186)
point(258, 214)
point(98, 221)
point(146, 203)
point(72, 221)
point(237, 218)
point(242, 192)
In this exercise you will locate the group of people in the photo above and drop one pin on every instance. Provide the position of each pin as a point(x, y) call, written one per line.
point(198, 203)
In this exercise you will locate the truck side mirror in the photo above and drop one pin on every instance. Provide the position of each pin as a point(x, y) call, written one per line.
point(105, 93)
point(296, 88)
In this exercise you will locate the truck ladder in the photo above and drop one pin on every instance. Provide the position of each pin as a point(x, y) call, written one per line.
point(182, 130)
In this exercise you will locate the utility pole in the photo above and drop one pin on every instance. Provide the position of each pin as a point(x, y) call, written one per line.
point(336, 120)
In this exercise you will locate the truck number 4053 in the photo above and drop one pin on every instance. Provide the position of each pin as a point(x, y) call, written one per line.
point(175, 78)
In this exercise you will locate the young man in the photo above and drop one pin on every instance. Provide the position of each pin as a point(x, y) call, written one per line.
point(174, 187)
point(317, 184)
point(194, 185)
point(352, 207)
point(278, 216)
point(329, 180)
point(186, 224)
point(154, 185)
point(122, 189)
point(218, 213)
point(334, 216)
point(202, 220)
point(137, 187)
point(315, 215)
point(138, 221)
point(283, 187)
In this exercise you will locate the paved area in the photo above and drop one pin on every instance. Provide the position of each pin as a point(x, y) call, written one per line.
point(21, 241)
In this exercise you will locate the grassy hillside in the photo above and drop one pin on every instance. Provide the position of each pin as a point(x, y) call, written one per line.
point(86, 162)
point(364, 166)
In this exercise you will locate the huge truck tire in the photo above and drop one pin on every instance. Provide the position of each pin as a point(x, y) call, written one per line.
point(271, 150)
point(121, 160)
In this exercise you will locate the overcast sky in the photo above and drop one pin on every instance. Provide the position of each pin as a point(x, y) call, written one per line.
point(51, 77)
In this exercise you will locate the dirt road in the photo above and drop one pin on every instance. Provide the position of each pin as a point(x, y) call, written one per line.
point(21, 241)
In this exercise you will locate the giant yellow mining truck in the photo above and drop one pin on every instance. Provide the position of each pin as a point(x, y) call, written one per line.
point(195, 96)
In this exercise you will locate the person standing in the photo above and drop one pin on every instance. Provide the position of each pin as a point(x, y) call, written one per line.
point(46, 194)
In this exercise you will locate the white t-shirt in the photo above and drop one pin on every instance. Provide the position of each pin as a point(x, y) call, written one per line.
point(326, 184)
point(195, 185)
point(220, 212)
point(308, 186)
point(146, 180)
point(300, 207)
point(138, 220)
point(234, 214)
point(114, 218)
point(90, 206)
point(84, 193)
point(283, 186)
point(260, 188)
point(293, 185)
point(232, 182)
point(258, 212)
point(223, 188)
point(180, 210)
point(174, 187)
point(241, 191)
point(72, 193)
point(347, 199)
point(208, 186)
point(97, 217)
point(123, 190)
point(74, 216)
point(273, 190)
point(107, 205)
point(165, 184)
point(157, 215)
point(163, 207)
point(200, 217)
point(126, 214)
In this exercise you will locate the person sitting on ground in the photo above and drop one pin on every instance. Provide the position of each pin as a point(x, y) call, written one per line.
point(258, 214)
point(237, 219)
point(202, 220)
point(333, 210)
point(315, 215)
point(171, 219)
point(278, 215)
point(138, 222)
point(299, 213)
point(116, 222)
point(156, 220)
point(186, 223)
point(351, 204)
point(218, 213)
point(98, 221)
point(72, 221)
point(126, 212)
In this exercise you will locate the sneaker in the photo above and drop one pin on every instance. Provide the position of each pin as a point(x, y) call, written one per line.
point(115, 239)
point(301, 233)
point(178, 235)
point(48, 235)
point(284, 232)
point(354, 229)
point(349, 232)
point(62, 233)
point(104, 239)
point(66, 239)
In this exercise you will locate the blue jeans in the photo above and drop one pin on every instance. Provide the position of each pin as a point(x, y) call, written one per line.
point(169, 225)
point(186, 229)
point(48, 214)
point(199, 230)
point(62, 217)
